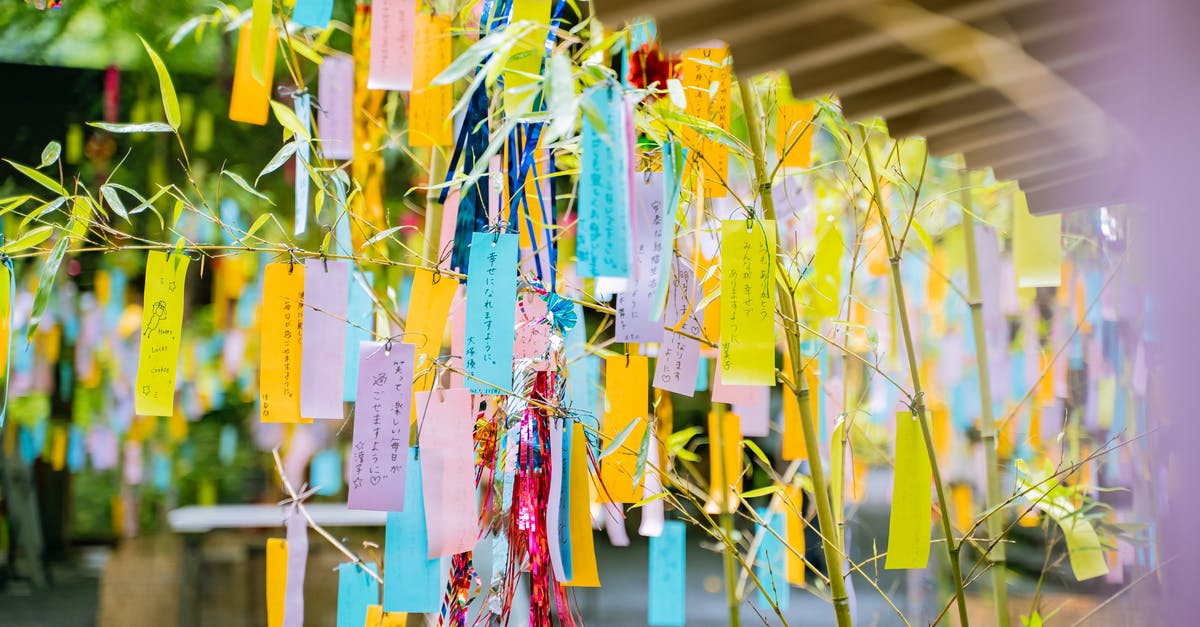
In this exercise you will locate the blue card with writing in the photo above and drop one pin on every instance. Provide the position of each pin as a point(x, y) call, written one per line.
point(313, 13)
point(491, 313)
point(411, 581)
point(603, 232)
point(357, 590)
point(668, 583)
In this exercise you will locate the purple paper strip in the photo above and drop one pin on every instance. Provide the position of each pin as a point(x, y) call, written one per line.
point(635, 306)
point(323, 348)
point(335, 100)
point(755, 416)
point(297, 558)
point(382, 414)
point(679, 356)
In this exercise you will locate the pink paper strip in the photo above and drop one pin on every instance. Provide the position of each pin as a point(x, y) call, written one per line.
point(635, 306)
point(323, 348)
point(652, 512)
point(379, 454)
point(335, 102)
point(533, 330)
point(392, 40)
point(756, 416)
point(679, 356)
point(614, 525)
point(458, 337)
point(445, 426)
point(734, 394)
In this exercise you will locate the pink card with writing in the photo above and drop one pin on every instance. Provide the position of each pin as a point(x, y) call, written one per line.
point(392, 41)
point(635, 306)
point(679, 356)
point(379, 453)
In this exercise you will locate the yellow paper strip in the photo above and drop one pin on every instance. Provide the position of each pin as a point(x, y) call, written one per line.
point(162, 322)
point(1037, 246)
point(909, 527)
point(748, 308)
point(276, 580)
point(706, 78)
point(428, 311)
point(627, 397)
point(794, 447)
point(724, 461)
point(583, 553)
point(376, 617)
point(964, 510)
point(249, 101)
point(794, 510)
point(429, 119)
point(280, 330)
point(58, 448)
point(794, 131)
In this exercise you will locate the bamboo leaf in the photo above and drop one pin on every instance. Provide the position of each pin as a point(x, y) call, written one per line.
point(378, 237)
point(10, 204)
point(466, 62)
point(258, 223)
point(39, 178)
point(643, 452)
point(758, 452)
point(241, 182)
point(178, 212)
point(29, 240)
point(45, 285)
point(44, 209)
point(280, 158)
point(148, 127)
point(114, 201)
point(289, 120)
point(650, 499)
point(165, 87)
point(50, 153)
point(619, 439)
point(771, 489)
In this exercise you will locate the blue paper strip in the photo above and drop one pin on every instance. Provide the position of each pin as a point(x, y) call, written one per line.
point(564, 502)
point(360, 320)
point(325, 473)
point(411, 581)
point(491, 313)
point(770, 566)
point(668, 582)
point(357, 590)
point(316, 13)
point(603, 235)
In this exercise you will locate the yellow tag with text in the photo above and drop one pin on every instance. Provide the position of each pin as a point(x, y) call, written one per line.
point(909, 526)
point(280, 331)
point(162, 323)
point(706, 78)
point(747, 351)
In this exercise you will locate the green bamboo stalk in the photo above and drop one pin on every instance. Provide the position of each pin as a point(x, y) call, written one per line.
point(996, 554)
point(833, 552)
point(918, 400)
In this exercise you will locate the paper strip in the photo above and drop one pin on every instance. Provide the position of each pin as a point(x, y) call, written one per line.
point(429, 119)
point(524, 65)
point(636, 321)
point(793, 510)
point(357, 590)
point(770, 565)
point(360, 326)
point(678, 360)
point(277, 569)
point(411, 580)
point(326, 471)
point(667, 593)
point(909, 526)
point(428, 310)
point(491, 312)
point(392, 40)
point(281, 342)
point(603, 229)
point(748, 307)
point(652, 512)
point(304, 114)
point(446, 425)
point(583, 553)
point(297, 558)
point(335, 118)
point(381, 424)
point(706, 77)
point(793, 134)
point(314, 13)
point(249, 100)
point(756, 416)
point(376, 617)
point(558, 510)
point(323, 357)
point(1037, 246)
point(725, 461)
point(162, 322)
point(627, 398)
